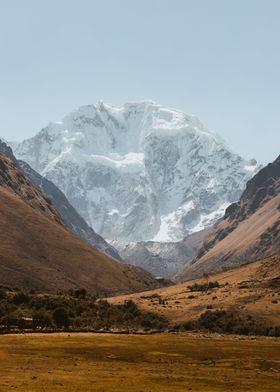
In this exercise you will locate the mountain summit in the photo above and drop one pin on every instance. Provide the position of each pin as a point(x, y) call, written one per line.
point(140, 171)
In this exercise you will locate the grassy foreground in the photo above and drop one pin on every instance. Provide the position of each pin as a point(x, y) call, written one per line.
point(162, 362)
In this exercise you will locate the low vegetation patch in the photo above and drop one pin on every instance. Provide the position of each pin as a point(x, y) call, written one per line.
point(203, 286)
point(75, 310)
point(231, 322)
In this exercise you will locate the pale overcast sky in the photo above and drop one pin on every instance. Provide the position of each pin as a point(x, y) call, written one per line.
point(218, 59)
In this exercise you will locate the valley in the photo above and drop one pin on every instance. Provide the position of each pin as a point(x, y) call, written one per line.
point(139, 196)
point(78, 313)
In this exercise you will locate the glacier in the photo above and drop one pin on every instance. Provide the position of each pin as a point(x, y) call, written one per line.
point(140, 171)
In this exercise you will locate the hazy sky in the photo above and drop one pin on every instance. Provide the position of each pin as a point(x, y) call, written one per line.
point(218, 59)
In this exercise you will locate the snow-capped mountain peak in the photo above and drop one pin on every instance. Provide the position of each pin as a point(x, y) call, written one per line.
point(140, 171)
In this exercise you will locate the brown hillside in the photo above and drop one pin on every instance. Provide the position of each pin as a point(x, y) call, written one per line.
point(37, 251)
point(14, 180)
point(252, 290)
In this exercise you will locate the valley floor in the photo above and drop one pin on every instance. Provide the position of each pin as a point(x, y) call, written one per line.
point(135, 363)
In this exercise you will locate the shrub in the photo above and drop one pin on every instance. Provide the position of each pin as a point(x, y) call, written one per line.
point(20, 298)
point(2, 293)
point(203, 286)
point(61, 317)
point(230, 322)
point(41, 318)
point(80, 293)
point(131, 307)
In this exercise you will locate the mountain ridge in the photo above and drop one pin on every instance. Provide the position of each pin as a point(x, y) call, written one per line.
point(38, 252)
point(75, 223)
point(139, 172)
point(249, 230)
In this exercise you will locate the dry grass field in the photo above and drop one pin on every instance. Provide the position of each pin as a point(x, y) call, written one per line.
point(252, 289)
point(155, 363)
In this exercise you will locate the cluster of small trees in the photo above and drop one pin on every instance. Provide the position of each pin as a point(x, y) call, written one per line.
point(75, 310)
point(232, 322)
point(203, 286)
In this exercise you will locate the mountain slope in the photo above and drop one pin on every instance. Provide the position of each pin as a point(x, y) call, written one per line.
point(38, 252)
point(75, 223)
point(12, 180)
point(249, 230)
point(161, 258)
point(252, 290)
point(139, 172)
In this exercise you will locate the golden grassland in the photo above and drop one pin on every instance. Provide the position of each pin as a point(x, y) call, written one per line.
point(142, 363)
point(252, 289)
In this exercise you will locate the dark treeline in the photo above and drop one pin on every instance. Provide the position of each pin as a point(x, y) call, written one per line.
point(79, 311)
point(229, 322)
point(75, 310)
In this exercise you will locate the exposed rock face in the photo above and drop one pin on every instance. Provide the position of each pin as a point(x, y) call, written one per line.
point(7, 150)
point(38, 252)
point(140, 172)
point(250, 228)
point(160, 258)
point(70, 216)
